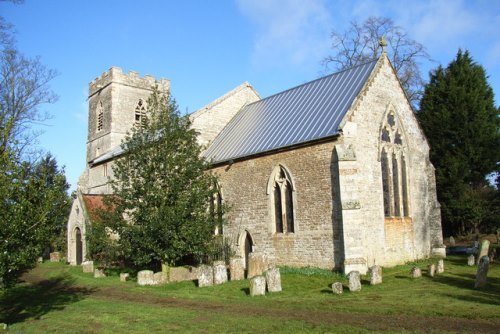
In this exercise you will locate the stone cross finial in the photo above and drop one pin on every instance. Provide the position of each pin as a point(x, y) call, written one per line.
point(382, 43)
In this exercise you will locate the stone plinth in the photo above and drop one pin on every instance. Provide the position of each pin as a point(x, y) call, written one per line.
point(124, 277)
point(257, 264)
point(236, 268)
point(415, 272)
point(273, 280)
point(88, 266)
point(205, 276)
point(257, 286)
point(337, 288)
point(482, 272)
point(145, 277)
point(55, 257)
point(375, 275)
point(354, 281)
point(220, 272)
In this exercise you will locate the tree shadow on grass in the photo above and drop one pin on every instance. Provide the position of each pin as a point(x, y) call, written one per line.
point(34, 300)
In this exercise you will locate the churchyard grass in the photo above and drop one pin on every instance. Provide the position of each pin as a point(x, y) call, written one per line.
point(66, 300)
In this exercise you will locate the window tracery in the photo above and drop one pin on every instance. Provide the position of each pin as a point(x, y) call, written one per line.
point(282, 197)
point(140, 113)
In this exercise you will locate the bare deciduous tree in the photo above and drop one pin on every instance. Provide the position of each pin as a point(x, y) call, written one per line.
point(360, 43)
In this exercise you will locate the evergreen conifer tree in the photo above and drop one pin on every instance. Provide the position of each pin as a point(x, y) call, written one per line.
point(461, 122)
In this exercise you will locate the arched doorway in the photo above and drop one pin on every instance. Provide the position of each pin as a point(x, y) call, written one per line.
point(79, 245)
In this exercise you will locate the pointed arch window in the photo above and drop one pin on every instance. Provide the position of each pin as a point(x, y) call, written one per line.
point(140, 113)
point(100, 117)
point(281, 191)
point(393, 162)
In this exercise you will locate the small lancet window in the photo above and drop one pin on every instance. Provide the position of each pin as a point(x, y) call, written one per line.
point(216, 210)
point(140, 113)
point(100, 117)
point(282, 198)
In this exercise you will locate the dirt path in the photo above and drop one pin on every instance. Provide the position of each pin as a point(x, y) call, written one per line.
point(367, 321)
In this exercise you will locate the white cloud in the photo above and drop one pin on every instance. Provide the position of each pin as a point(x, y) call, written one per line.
point(288, 32)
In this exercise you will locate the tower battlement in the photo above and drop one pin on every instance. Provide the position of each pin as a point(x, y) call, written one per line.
point(132, 78)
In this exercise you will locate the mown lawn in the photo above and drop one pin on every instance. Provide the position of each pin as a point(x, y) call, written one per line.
point(61, 299)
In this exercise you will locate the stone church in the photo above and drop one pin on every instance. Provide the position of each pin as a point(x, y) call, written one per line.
point(334, 173)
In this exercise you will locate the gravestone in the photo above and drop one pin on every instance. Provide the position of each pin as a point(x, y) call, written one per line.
point(220, 272)
point(337, 288)
point(431, 270)
point(205, 276)
point(3, 327)
point(257, 286)
point(124, 277)
point(483, 251)
point(88, 266)
point(440, 267)
point(273, 280)
point(452, 241)
point(99, 272)
point(55, 257)
point(180, 274)
point(415, 272)
point(236, 268)
point(145, 277)
point(471, 260)
point(482, 272)
point(39, 259)
point(257, 264)
point(354, 281)
point(375, 275)
point(160, 278)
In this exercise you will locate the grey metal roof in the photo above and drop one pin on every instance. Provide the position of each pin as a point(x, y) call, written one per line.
point(307, 112)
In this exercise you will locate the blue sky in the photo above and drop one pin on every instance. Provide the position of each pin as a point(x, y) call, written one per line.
point(206, 48)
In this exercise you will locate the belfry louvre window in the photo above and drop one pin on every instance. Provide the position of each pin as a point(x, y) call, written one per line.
point(282, 193)
point(140, 113)
point(393, 163)
point(100, 117)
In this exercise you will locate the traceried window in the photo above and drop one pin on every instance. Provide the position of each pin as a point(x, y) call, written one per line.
point(216, 210)
point(282, 192)
point(393, 162)
point(140, 113)
point(100, 117)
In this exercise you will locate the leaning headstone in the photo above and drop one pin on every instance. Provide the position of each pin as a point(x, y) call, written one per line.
point(471, 260)
point(415, 272)
point(375, 275)
point(440, 267)
point(257, 264)
point(99, 272)
point(452, 241)
point(483, 251)
point(354, 281)
point(55, 257)
point(337, 288)
point(205, 276)
point(124, 277)
point(273, 279)
point(220, 272)
point(236, 268)
point(145, 277)
point(88, 266)
point(482, 272)
point(431, 270)
point(257, 286)
point(160, 278)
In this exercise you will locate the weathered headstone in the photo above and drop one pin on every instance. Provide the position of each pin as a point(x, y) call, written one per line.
point(452, 241)
point(99, 272)
point(145, 277)
point(471, 260)
point(273, 279)
point(55, 257)
point(337, 288)
point(257, 264)
point(180, 274)
point(205, 276)
point(354, 281)
point(431, 270)
point(482, 272)
point(415, 272)
point(440, 267)
point(39, 259)
point(220, 272)
point(88, 266)
point(257, 286)
point(483, 251)
point(160, 278)
point(124, 277)
point(236, 268)
point(375, 275)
